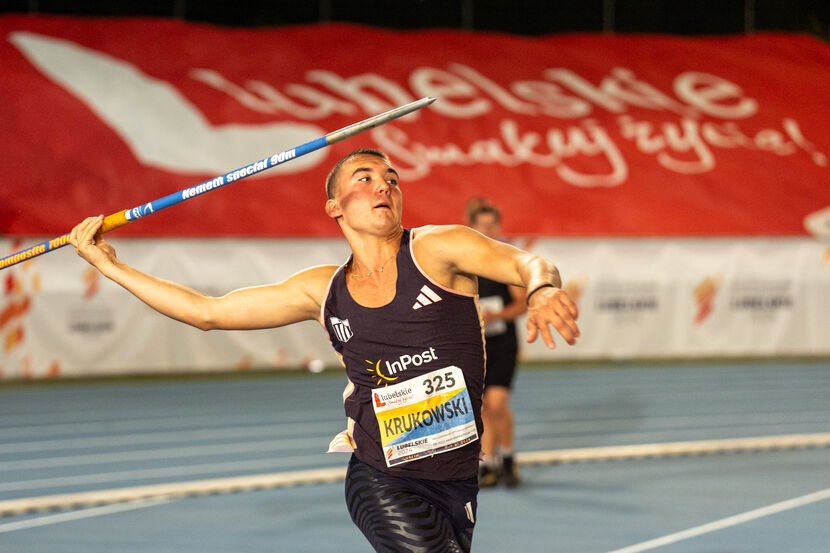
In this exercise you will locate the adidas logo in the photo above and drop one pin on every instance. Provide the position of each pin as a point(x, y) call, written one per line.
point(426, 297)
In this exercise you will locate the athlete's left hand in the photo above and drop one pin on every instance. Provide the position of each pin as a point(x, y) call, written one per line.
point(552, 306)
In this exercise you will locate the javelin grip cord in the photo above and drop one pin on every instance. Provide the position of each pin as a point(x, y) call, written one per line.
point(122, 218)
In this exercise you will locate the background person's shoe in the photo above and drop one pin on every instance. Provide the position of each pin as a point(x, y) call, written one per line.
point(488, 475)
point(509, 472)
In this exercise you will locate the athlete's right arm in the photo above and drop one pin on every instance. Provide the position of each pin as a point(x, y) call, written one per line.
point(297, 298)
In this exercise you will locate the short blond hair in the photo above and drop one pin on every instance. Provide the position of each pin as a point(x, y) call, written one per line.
point(331, 179)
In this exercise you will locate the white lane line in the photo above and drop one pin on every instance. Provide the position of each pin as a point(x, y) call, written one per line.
point(202, 451)
point(173, 490)
point(113, 439)
point(26, 426)
point(726, 522)
point(531, 425)
point(275, 463)
point(80, 514)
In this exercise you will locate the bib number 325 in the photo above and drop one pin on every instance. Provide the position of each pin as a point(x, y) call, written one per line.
point(438, 383)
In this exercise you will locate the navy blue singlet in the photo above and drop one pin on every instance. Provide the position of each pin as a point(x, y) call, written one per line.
point(422, 331)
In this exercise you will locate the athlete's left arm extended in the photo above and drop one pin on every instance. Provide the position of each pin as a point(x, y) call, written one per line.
point(460, 249)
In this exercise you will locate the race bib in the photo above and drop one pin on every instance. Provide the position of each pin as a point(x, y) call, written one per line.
point(424, 416)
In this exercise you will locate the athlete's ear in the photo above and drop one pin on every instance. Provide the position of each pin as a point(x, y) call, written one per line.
point(333, 209)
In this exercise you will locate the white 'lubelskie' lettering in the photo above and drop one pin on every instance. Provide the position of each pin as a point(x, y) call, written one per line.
point(685, 146)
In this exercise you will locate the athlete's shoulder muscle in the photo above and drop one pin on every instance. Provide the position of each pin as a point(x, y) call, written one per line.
point(460, 250)
point(437, 249)
point(447, 243)
point(442, 238)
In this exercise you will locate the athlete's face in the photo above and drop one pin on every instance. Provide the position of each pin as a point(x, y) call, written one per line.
point(367, 194)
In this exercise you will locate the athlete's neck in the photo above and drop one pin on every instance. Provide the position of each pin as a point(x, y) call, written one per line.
point(371, 253)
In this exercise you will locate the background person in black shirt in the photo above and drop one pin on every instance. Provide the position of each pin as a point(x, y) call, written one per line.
point(500, 306)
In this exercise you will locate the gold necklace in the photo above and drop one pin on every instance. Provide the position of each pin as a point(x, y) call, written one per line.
point(373, 271)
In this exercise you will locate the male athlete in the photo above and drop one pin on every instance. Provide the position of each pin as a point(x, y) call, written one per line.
point(500, 306)
point(403, 305)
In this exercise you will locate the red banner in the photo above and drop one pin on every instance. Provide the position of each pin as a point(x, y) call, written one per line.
point(578, 134)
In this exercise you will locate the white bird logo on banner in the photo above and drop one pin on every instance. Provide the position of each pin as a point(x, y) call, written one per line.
point(160, 126)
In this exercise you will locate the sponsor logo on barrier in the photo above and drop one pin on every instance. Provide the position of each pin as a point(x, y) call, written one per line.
point(92, 279)
point(761, 299)
point(575, 288)
point(91, 322)
point(20, 358)
point(705, 294)
point(763, 303)
point(623, 304)
point(623, 298)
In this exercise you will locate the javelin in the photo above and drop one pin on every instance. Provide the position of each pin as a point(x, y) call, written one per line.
point(127, 216)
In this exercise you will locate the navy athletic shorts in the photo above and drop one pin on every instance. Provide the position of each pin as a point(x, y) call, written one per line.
point(502, 352)
point(402, 515)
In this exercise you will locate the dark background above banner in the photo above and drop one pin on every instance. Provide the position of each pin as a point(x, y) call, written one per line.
point(528, 17)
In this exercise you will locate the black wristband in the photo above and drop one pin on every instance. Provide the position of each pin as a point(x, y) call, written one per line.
point(527, 299)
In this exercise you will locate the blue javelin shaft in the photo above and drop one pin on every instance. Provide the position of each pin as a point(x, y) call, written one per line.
point(274, 160)
point(127, 216)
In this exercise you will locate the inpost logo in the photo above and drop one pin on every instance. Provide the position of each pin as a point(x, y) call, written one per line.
point(379, 367)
